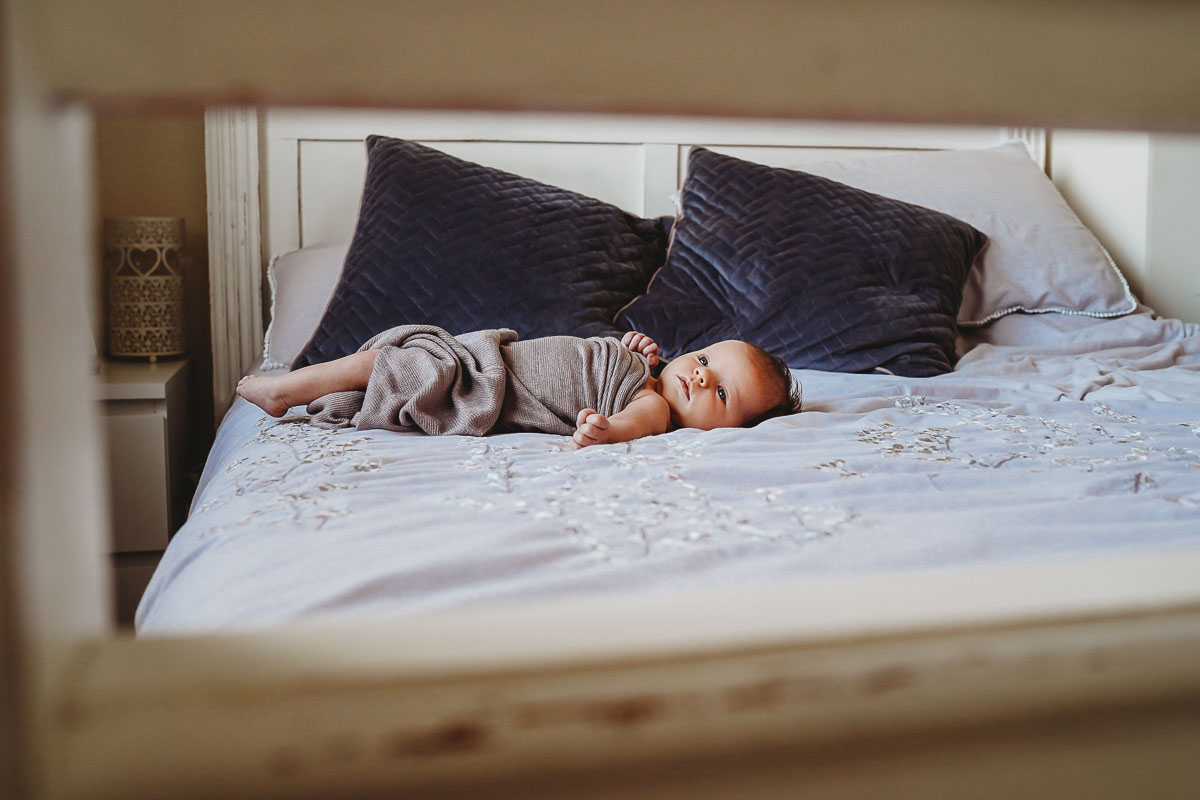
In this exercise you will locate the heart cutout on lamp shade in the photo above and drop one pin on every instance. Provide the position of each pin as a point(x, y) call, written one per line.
point(143, 257)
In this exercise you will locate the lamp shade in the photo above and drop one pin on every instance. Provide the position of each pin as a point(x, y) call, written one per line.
point(143, 259)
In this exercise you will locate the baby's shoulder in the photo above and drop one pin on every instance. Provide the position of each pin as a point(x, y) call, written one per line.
point(650, 409)
point(650, 389)
point(649, 399)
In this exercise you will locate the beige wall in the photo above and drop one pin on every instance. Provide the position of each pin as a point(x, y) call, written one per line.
point(1173, 247)
point(1140, 195)
point(1104, 176)
point(153, 165)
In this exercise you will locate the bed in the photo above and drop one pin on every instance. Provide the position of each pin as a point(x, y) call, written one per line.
point(1073, 676)
point(1063, 420)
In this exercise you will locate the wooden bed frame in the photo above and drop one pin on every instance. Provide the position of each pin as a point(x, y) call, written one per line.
point(1077, 678)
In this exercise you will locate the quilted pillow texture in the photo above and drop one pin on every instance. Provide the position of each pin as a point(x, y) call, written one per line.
point(1040, 256)
point(825, 275)
point(447, 242)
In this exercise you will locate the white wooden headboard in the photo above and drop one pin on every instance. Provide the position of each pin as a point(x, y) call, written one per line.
point(284, 179)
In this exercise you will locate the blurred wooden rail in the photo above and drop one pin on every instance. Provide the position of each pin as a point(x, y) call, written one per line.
point(1105, 64)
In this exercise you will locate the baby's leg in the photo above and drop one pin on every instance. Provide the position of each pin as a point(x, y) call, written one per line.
point(275, 394)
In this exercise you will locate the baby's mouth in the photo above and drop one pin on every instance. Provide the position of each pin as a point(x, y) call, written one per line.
point(687, 389)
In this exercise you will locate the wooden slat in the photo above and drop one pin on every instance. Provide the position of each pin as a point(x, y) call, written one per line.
point(234, 252)
point(815, 671)
point(1106, 63)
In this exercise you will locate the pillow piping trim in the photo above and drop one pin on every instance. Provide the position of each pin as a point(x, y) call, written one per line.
point(1129, 298)
point(267, 363)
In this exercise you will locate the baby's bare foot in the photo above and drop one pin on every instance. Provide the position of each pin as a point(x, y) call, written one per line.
point(262, 390)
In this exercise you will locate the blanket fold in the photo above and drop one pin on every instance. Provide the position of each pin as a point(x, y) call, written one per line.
point(425, 379)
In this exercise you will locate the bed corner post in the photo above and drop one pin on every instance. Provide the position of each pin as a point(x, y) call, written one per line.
point(235, 259)
point(1035, 141)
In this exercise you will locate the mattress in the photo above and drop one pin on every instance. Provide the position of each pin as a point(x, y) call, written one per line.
point(1055, 436)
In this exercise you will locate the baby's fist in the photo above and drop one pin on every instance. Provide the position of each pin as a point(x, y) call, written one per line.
point(641, 343)
point(590, 428)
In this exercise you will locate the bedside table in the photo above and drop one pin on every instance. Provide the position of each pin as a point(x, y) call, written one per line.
point(145, 412)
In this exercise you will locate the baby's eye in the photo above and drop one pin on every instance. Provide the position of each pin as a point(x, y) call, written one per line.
point(703, 361)
point(721, 393)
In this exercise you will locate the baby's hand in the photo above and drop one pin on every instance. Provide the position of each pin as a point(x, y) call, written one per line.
point(590, 428)
point(641, 343)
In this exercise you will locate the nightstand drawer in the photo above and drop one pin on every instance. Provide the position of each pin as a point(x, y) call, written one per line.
point(138, 471)
point(144, 407)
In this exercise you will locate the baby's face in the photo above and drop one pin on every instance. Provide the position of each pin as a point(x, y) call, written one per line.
point(717, 387)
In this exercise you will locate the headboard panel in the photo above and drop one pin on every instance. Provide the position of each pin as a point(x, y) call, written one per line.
point(303, 170)
point(330, 176)
point(315, 160)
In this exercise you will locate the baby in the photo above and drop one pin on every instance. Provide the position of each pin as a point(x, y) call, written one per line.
point(727, 384)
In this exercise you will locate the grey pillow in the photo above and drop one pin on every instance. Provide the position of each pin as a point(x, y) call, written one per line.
point(301, 281)
point(1040, 257)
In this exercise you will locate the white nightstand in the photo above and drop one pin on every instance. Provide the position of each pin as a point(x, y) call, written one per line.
point(145, 412)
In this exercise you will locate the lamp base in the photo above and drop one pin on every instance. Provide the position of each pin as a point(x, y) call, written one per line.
point(145, 316)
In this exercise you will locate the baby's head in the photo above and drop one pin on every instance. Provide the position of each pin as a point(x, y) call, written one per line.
point(729, 384)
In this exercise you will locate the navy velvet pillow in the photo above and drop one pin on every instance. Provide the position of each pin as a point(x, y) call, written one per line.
point(824, 275)
point(446, 242)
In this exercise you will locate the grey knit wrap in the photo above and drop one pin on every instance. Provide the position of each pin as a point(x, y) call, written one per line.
point(426, 380)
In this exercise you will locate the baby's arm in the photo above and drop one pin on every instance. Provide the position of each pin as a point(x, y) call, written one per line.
point(646, 415)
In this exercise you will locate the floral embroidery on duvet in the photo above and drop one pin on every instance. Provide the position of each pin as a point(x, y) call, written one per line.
point(792, 483)
point(648, 506)
point(990, 438)
point(294, 473)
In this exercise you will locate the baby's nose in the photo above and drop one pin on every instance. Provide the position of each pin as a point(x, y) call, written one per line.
point(701, 374)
